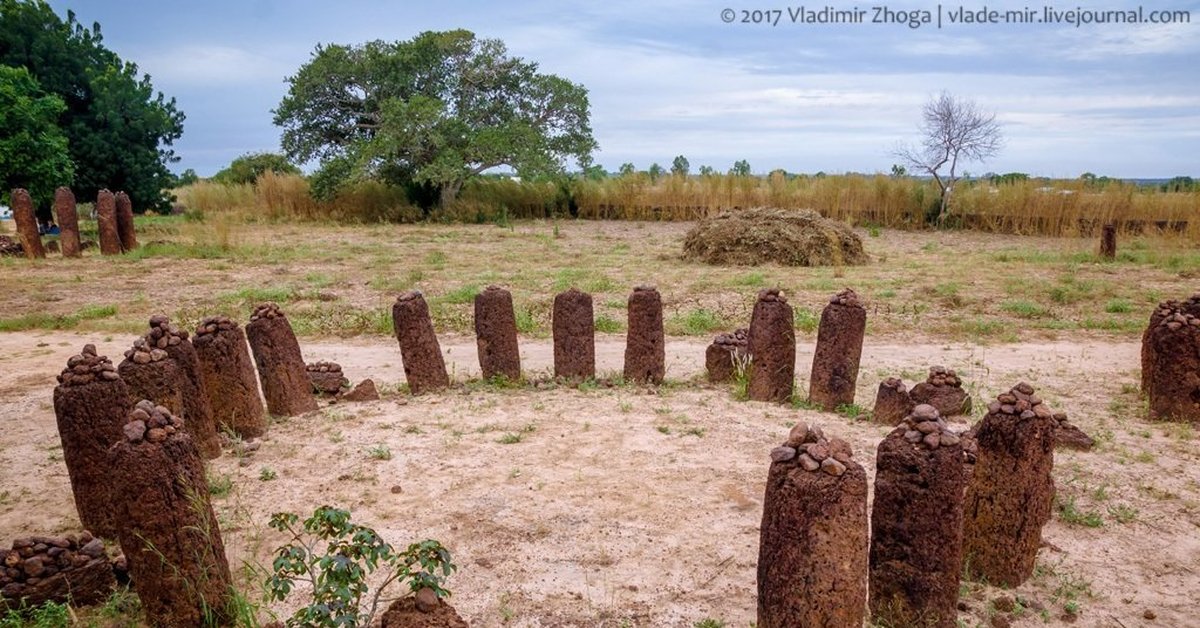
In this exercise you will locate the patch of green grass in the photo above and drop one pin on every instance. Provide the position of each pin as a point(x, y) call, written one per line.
point(752, 280)
point(709, 623)
point(608, 325)
point(436, 259)
point(48, 615)
point(665, 429)
point(1118, 306)
point(1024, 309)
point(525, 321)
point(380, 452)
point(254, 296)
point(42, 320)
point(851, 411)
point(805, 320)
point(219, 485)
point(1123, 513)
point(696, 322)
point(1071, 514)
point(585, 280)
point(462, 294)
point(266, 474)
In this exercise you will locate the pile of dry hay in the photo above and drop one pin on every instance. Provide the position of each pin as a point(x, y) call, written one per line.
point(791, 237)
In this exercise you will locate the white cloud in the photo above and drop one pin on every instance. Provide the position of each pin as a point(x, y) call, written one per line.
point(215, 65)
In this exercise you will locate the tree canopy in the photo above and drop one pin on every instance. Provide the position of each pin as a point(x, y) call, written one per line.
point(436, 109)
point(33, 151)
point(247, 168)
point(119, 131)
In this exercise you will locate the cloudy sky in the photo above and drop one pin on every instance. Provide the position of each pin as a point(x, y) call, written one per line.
point(671, 77)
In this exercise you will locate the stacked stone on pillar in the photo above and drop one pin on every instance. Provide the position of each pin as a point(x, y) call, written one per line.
point(772, 343)
point(26, 223)
point(150, 373)
point(169, 532)
point(228, 375)
point(1171, 362)
point(1011, 491)
point(727, 356)
point(916, 523)
point(892, 402)
point(106, 223)
point(68, 222)
point(944, 391)
point(645, 349)
point(574, 329)
point(281, 370)
point(812, 555)
point(496, 334)
point(125, 229)
point(90, 404)
point(424, 367)
point(1108, 242)
point(64, 569)
point(197, 409)
point(839, 350)
point(326, 378)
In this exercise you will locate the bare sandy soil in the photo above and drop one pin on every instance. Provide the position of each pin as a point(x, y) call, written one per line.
point(630, 506)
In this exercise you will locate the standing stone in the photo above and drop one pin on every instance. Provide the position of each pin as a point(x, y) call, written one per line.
point(197, 409)
point(916, 523)
point(1011, 490)
point(727, 356)
point(943, 390)
point(1165, 309)
point(1108, 242)
point(838, 352)
point(772, 342)
point(645, 349)
point(151, 374)
point(574, 330)
point(90, 404)
point(281, 370)
point(169, 532)
point(892, 402)
point(106, 223)
point(496, 334)
point(68, 222)
point(125, 230)
point(812, 555)
point(26, 222)
point(424, 367)
point(228, 375)
point(1171, 364)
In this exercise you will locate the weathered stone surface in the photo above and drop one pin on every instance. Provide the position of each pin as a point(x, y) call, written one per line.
point(106, 223)
point(326, 377)
point(839, 350)
point(281, 370)
point(496, 334)
point(71, 569)
point(1068, 436)
point(364, 391)
point(228, 375)
point(125, 229)
point(645, 344)
point(26, 224)
point(68, 222)
point(892, 402)
point(169, 532)
point(916, 527)
point(727, 355)
point(1108, 242)
point(574, 329)
point(943, 390)
point(772, 342)
point(424, 367)
point(90, 405)
point(197, 409)
point(1171, 361)
point(1011, 491)
point(812, 557)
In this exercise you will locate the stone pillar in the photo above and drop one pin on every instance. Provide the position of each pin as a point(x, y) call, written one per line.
point(892, 402)
point(125, 229)
point(326, 378)
point(574, 329)
point(26, 223)
point(106, 223)
point(1171, 366)
point(281, 370)
point(943, 390)
point(812, 555)
point(151, 374)
point(1165, 309)
point(197, 409)
point(1108, 242)
point(90, 404)
point(169, 532)
point(916, 523)
point(424, 367)
point(68, 222)
point(726, 356)
point(1011, 491)
point(645, 349)
point(839, 349)
point(71, 568)
point(772, 342)
point(228, 375)
point(496, 334)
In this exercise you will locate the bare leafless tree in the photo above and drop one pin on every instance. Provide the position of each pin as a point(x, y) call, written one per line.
point(953, 132)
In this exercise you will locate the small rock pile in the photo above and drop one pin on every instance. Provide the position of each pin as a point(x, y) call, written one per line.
point(326, 377)
point(926, 428)
point(213, 324)
point(815, 452)
point(150, 422)
point(1021, 401)
point(145, 350)
point(726, 352)
point(163, 334)
point(88, 367)
point(943, 390)
point(69, 568)
point(266, 310)
point(846, 297)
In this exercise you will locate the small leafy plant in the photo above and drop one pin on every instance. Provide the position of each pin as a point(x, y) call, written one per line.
point(335, 556)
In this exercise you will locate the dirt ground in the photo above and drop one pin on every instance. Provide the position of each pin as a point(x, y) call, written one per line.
point(631, 506)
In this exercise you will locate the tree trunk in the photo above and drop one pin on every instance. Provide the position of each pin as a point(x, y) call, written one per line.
point(450, 193)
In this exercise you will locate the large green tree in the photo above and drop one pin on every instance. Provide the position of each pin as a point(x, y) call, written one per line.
point(248, 167)
point(33, 150)
point(435, 110)
point(119, 130)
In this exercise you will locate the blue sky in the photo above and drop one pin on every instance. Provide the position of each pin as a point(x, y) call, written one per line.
point(668, 78)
